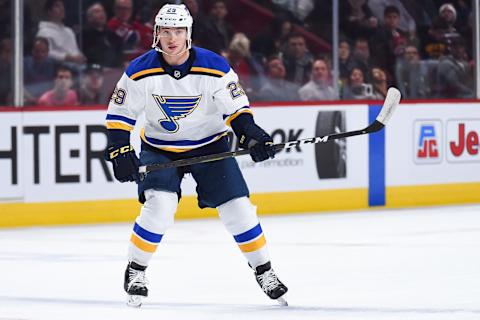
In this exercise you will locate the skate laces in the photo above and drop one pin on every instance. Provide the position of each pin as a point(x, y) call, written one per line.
point(269, 280)
point(136, 278)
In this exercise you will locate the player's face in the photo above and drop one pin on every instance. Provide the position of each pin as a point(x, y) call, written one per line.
point(173, 40)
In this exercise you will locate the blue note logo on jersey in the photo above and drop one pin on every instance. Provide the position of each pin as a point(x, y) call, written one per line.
point(175, 108)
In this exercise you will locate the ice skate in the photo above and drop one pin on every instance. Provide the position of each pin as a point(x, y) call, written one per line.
point(135, 284)
point(270, 284)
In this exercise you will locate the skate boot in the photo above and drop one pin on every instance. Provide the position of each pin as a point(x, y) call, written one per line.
point(135, 284)
point(268, 281)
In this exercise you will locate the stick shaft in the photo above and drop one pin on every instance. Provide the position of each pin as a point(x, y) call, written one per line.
point(391, 102)
point(375, 126)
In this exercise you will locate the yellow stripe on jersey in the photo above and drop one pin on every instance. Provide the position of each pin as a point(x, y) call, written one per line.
point(145, 72)
point(119, 125)
point(236, 114)
point(254, 245)
point(208, 70)
point(143, 245)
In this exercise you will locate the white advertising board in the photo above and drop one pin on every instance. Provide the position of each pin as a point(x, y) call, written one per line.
point(301, 168)
point(59, 154)
point(11, 177)
point(434, 144)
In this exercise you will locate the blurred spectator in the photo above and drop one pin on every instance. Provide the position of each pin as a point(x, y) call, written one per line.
point(102, 46)
point(297, 60)
point(143, 10)
point(198, 18)
point(193, 7)
point(5, 71)
point(61, 94)
point(276, 87)
point(38, 71)
point(299, 9)
point(361, 56)
point(412, 75)
point(345, 59)
point(454, 77)
point(389, 41)
point(6, 22)
point(92, 90)
point(318, 88)
point(422, 13)
point(462, 24)
point(379, 83)
point(270, 42)
point(136, 37)
point(406, 23)
point(356, 19)
point(147, 15)
point(250, 72)
point(442, 30)
point(5, 18)
point(215, 33)
point(356, 88)
point(62, 42)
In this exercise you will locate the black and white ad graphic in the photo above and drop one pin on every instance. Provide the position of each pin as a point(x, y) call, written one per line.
point(331, 157)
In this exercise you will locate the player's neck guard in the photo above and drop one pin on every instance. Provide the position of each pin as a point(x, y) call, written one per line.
point(174, 71)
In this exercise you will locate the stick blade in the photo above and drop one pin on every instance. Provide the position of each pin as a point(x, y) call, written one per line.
point(391, 102)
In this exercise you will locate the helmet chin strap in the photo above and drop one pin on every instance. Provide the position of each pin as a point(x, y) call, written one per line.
point(171, 55)
point(187, 47)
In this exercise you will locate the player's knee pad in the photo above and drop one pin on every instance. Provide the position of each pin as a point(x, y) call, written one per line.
point(158, 211)
point(238, 215)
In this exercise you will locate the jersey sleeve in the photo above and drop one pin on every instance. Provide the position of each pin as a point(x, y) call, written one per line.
point(125, 105)
point(230, 97)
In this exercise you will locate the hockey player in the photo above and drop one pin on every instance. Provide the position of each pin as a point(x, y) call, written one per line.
point(189, 95)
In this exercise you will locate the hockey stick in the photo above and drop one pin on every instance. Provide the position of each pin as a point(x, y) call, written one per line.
point(391, 102)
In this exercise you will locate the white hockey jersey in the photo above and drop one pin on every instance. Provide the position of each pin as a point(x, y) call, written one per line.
point(185, 109)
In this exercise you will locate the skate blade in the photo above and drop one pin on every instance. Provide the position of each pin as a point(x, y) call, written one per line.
point(134, 301)
point(282, 302)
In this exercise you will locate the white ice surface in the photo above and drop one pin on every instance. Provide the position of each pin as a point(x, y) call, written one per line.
point(386, 264)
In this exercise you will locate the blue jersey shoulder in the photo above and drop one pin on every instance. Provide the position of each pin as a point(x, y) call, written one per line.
point(210, 60)
point(147, 61)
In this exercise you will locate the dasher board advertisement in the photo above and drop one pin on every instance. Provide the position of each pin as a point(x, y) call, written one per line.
point(58, 155)
point(434, 144)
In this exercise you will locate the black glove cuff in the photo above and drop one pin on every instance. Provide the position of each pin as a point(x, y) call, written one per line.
point(247, 130)
point(118, 137)
point(241, 123)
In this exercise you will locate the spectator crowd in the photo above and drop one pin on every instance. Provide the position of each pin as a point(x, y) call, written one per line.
point(75, 51)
